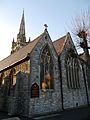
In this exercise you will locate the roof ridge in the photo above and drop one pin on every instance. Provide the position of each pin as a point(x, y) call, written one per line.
point(66, 38)
point(60, 43)
point(20, 54)
point(64, 42)
point(22, 47)
point(36, 38)
point(60, 38)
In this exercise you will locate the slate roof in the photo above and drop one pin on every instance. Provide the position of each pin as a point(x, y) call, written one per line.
point(19, 55)
point(59, 44)
point(23, 52)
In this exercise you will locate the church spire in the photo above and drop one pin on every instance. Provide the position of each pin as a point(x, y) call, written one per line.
point(21, 38)
point(22, 25)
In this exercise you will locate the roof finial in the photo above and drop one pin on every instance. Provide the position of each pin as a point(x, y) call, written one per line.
point(29, 40)
point(45, 26)
point(13, 40)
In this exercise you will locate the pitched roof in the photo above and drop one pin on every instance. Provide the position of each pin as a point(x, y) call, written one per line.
point(59, 44)
point(19, 55)
point(23, 52)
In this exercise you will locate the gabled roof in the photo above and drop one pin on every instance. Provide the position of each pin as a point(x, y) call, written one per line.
point(19, 55)
point(59, 44)
point(23, 52)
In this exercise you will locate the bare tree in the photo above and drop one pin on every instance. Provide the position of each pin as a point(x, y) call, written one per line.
point(81, 29)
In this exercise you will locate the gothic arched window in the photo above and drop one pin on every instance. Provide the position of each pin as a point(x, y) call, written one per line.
point(12, 81)
point(2, 79)
point(72, 72)
point(46, 69)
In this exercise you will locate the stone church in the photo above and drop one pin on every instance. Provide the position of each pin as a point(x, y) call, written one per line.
point(42, 76)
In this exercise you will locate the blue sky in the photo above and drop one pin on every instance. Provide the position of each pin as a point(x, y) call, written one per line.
point(57, 14)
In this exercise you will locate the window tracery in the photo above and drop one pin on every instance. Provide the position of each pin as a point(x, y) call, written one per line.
point(46, 69)
point(72, 72)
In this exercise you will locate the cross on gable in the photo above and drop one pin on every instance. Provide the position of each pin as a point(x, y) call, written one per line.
point(45, 26)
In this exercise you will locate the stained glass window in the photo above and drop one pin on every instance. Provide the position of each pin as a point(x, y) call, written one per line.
point(46, 69)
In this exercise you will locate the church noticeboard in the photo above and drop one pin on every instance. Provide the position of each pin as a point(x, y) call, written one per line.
point(34, 90)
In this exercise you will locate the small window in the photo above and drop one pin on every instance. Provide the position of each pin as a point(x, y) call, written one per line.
point(34, 90)
point(3, 82)
point(12, 82)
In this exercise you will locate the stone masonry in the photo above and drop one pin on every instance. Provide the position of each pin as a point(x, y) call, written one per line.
point(49, 100)
point(72, 97)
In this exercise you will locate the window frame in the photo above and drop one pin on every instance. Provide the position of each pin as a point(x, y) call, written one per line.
point(72, 71)
point(50, 72)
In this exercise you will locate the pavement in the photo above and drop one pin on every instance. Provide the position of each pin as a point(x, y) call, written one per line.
point(74, 114)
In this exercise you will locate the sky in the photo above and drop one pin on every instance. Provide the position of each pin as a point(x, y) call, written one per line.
point(57, 14)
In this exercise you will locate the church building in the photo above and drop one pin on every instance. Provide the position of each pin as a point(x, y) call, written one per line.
point(42, 76)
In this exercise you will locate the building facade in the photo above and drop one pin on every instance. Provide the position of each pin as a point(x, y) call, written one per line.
point(42, 76)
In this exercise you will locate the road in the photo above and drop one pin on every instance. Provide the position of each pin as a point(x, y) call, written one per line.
point(75, 114)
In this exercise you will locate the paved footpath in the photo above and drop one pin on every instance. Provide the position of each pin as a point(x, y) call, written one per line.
point(76, 114)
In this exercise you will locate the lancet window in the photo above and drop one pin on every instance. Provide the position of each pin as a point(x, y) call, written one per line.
point(46, 69)
point(2, 79)
point(72, 72)
point(12, 81)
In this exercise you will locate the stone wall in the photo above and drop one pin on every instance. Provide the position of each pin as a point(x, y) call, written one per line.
point(19, 101)
point(49, 100)
point(18, 104)
point(4, 95)
point(87, 77)
point(71, 97)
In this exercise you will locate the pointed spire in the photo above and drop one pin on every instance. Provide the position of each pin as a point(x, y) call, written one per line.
point(22, 25)
point(21, 35)
point(21, 38)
